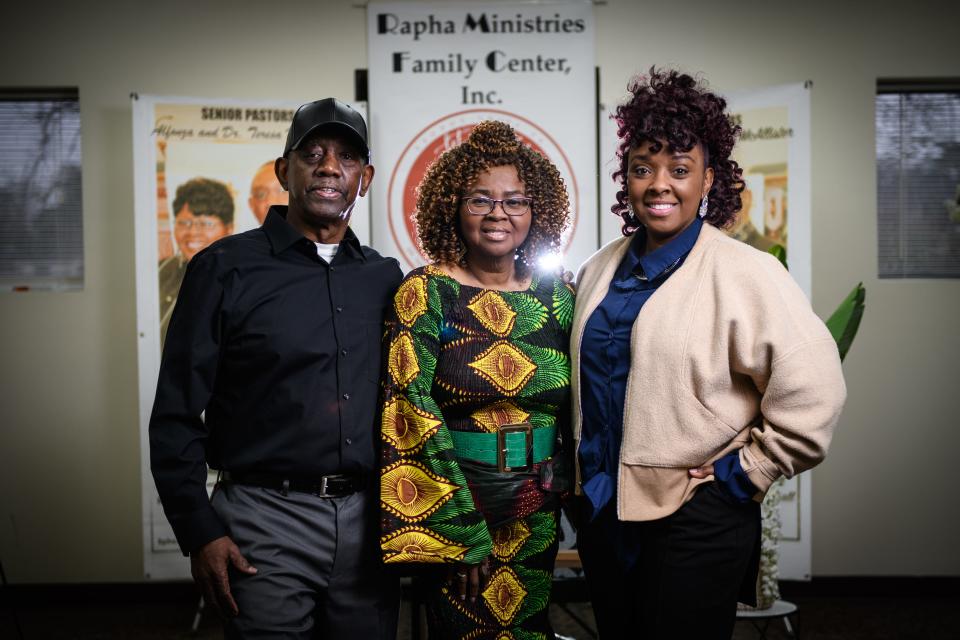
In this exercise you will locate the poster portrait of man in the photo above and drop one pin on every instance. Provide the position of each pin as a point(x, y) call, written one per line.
point(265, 191)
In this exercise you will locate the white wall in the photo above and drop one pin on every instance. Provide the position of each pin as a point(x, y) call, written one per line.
point(69, 451)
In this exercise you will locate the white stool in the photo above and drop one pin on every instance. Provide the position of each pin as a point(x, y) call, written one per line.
point(761, 618)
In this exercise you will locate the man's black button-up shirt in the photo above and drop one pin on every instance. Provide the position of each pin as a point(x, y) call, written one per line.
point(280, 352)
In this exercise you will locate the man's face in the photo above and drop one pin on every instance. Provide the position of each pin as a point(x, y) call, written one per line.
point(193, 233)
point(265, 191)
point(323, 177)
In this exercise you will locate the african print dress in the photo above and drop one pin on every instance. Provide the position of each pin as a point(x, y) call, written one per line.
point(461, 358)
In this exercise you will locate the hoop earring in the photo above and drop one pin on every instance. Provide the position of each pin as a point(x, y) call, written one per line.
point(702, 212)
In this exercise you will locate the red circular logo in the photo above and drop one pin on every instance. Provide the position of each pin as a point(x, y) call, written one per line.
point(444, 134)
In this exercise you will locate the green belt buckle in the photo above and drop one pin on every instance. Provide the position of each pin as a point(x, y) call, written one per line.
point(502, 432)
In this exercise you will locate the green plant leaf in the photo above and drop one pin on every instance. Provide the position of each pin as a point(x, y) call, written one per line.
point(845, 321)
point(779, 252)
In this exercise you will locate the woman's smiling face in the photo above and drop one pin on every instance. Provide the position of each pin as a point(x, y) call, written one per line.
point(665, 187)
point(495, 235)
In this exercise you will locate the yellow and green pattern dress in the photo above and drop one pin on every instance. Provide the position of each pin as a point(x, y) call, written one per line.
point(465, 359)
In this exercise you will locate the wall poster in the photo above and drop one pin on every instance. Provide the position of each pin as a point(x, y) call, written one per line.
point(203, 169)
point(435, 70)
point(774, 152)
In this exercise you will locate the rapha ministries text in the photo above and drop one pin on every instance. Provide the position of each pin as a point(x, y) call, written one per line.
point(391, 24)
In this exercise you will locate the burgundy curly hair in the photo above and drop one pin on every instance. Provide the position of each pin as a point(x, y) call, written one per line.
point(490, 144)
point(671, 107)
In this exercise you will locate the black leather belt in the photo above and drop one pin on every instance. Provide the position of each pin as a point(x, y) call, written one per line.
point(332, 486)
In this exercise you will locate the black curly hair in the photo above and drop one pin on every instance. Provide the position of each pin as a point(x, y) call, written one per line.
point(206, 197)
point(673, 108)
point(490, 144)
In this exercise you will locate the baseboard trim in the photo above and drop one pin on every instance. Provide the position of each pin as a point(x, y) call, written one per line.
point(872, 587)
point(566, 590)
point(96, 593)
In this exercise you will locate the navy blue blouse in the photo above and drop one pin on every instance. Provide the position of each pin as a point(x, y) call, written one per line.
point(605, 363)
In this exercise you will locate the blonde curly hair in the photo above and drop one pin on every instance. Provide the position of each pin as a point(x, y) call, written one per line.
point(490, 144)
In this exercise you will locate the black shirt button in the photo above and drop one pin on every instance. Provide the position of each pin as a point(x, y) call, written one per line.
point(349, 441)
point(346, 396)
point(339, 309)
point(333, 268)
point(343, 351)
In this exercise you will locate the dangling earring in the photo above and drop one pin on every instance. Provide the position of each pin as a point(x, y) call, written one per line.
point(703, 208)
point(520, 255)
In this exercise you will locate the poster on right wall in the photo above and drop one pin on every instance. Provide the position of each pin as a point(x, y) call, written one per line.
point(774, 152)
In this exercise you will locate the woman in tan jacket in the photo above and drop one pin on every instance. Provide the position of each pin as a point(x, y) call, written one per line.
point(701, 375)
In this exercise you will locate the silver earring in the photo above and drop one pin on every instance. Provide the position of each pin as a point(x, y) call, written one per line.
point(703, 208)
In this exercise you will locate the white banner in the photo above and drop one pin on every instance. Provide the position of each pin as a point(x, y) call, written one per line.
point(224, 150)
point(774, 153)
point(436, 70)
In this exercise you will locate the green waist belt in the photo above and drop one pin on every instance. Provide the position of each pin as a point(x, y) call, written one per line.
point(509, 448)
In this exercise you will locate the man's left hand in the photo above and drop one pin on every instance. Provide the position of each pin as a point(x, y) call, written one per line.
point(209, 565)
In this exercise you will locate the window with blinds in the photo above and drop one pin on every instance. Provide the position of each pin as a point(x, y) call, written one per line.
point(918, 178)
point(41, 217)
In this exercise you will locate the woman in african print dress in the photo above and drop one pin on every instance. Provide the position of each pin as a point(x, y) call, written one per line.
point(475, 422)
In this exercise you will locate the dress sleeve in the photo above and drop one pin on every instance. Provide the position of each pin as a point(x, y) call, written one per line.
point(564, 296)
point(428, 511)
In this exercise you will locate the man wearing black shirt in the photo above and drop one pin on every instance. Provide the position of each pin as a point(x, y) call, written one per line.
point(270, 375)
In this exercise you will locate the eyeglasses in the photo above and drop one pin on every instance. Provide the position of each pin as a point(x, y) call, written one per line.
point(204, 225)
point(481, 206)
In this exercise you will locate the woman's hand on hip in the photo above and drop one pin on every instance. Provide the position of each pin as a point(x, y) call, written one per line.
point(701, 472)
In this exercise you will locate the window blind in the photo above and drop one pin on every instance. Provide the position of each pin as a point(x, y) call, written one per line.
point(918, 179)
point(41, 218)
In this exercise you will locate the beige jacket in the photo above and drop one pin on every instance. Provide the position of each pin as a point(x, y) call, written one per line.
point(726, 355)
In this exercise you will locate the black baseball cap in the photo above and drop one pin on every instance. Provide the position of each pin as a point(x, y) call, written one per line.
point(327, 112)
